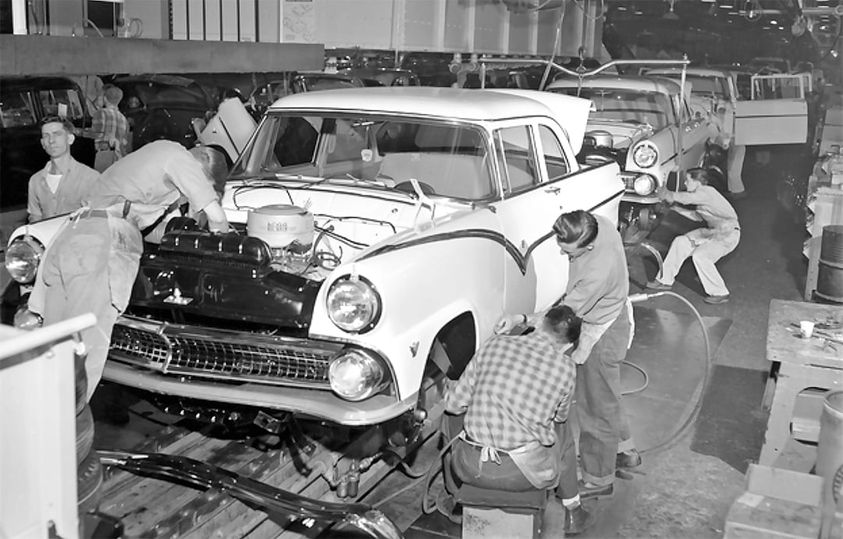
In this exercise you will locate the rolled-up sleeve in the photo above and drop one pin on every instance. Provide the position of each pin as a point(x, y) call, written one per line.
point(459, 396)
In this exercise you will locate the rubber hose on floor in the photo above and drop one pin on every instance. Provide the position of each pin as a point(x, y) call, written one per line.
point(689, 421)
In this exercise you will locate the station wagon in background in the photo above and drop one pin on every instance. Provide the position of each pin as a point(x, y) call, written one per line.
point(647, 125)
point(382, 233)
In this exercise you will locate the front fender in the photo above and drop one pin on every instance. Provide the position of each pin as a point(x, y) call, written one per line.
point(425, 282)
point(44, 231)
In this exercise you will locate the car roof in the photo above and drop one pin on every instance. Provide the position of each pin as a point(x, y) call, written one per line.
point(449, 103)
point(644, 84)
point(457, 103)
point(40, 83)
point(699, 71)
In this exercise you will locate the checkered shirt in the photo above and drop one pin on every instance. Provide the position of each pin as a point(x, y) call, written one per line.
point(109, 122)
point(514, 389)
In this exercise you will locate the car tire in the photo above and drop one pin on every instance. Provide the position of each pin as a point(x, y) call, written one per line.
point(89, 480)
point(84, 434)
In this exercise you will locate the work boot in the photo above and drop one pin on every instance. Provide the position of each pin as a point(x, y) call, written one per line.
point(716, 300)
point(627, 460)
point(577, 520)
point(448, 506)
point(590, 490)
point(655, 284)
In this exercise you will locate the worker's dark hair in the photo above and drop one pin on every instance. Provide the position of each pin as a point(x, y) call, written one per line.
point(112, 94)
point(63, 120)
point(578, 227)
point(213, 163)
point(562, 321)
point(699, 174)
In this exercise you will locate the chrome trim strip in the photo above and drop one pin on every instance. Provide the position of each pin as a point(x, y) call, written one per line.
point(321, 404)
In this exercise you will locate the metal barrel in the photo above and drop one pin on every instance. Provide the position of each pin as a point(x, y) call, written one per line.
point(830, 277)
point(830, 444)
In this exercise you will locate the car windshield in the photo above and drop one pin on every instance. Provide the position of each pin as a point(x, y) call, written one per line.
point(704, 86)
point(445, 159)
point(621, 104)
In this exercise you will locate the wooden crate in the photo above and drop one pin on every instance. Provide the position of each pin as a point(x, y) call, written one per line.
point(777, 503)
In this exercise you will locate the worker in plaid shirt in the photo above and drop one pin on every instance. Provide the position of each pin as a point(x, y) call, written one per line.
point(515, 394)
point(110, 130)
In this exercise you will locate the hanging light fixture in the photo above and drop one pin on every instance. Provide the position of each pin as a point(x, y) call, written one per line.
point(671, 14)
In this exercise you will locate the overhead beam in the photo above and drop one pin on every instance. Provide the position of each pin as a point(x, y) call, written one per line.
point(52, 55)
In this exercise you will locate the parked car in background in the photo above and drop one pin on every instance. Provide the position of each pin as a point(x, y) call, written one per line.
point(712, 90)
point(24, 102)
point(382, 232)
point(647, 125)
point(165, 106)
point(432, 68)
point(267, 92)
point(384, 76)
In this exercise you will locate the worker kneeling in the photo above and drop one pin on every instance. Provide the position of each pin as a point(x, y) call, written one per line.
point(515, 395)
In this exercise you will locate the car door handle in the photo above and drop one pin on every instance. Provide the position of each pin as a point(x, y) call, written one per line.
point(553, 190)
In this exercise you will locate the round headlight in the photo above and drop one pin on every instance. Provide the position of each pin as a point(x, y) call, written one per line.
point(355, 375)
point(645, 155)
point(23, 257)
point(353, 304)
point(644, 185)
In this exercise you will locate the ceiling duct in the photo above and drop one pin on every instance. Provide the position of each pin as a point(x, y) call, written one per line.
point(533, 5)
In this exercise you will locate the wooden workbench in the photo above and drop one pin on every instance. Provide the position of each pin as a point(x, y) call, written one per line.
point(809, 367)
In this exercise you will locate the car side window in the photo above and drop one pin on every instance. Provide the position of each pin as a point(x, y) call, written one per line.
point(61, 102)
point(516, 159)
point(16, 110)
point(554, 156)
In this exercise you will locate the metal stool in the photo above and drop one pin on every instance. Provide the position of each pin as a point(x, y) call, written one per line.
point(487, 512)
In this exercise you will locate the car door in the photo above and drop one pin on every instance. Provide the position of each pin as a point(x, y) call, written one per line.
point(694, 131)
point(539, 182)
point(776, 114)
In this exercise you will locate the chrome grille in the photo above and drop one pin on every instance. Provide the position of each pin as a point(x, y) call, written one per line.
point(227, 356)
point(137, 343)
point(629, 180)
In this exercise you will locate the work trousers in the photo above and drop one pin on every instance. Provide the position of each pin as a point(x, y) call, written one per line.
point(90, 268)
point(597, 408)
point(104, 159)
point(734, 166)
point(704, 256)
point(462, 465)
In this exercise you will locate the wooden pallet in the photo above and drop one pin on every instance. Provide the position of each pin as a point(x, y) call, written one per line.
point(149, 507)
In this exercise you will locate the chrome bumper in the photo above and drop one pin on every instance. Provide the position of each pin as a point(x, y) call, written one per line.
point(232, 367)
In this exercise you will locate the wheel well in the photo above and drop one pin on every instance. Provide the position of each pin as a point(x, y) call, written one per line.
point(459, 340)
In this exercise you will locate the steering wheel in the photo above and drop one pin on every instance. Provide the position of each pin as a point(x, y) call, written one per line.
point(408, 187)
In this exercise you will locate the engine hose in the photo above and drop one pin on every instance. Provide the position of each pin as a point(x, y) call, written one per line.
point(691, 418)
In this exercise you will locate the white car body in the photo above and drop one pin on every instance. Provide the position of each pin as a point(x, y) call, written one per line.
point(445, 265)
point(643, 112)
point(712, 90)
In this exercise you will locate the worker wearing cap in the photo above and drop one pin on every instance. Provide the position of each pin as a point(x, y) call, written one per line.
point(92, 263)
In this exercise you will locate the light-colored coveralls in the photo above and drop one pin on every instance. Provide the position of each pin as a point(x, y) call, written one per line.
point(92, 263)
point(707, 245)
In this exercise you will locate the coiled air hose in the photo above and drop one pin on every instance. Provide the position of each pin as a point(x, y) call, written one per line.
point(679, 432)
